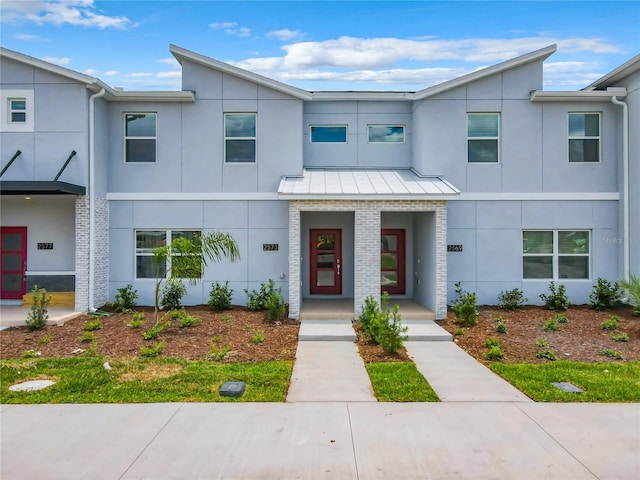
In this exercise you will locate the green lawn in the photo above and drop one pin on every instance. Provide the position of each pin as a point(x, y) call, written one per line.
point(400, 382)
point(601, 382)
point(85, 380)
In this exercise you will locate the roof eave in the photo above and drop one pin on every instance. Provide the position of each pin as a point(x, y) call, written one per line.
point(168, 96)
point(578, 96)
point(616, 75)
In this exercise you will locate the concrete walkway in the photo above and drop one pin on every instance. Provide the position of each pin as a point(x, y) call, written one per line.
point(15, 315)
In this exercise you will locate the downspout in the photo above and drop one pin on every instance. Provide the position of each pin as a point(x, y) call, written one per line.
point(626, 243)
point(92, 179)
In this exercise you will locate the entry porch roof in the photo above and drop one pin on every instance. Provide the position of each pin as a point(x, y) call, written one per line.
point(364, 184)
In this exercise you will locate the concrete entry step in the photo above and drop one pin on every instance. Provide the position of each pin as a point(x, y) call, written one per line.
point(426, 331)
point(326, 330)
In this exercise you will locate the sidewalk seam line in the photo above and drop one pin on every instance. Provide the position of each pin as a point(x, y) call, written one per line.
point(353, 445)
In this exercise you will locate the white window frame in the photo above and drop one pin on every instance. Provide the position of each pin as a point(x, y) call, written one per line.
point(168, 238)
point(13, 110)
point(496, 138)
point(585, 137)
point(386, 125)
point(6, 123)
point(154, 138)
point(329, 125)
point(254, 138)
point(556, 255)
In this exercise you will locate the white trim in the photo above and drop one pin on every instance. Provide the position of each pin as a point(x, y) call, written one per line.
point(6, 125)
point(579, 96)
point(584, 137)
point(542, 196)
point(555, 254)
point(50, 273)
point(127, 137)
point(496, 138)
point(190, 196)
point(254, 138)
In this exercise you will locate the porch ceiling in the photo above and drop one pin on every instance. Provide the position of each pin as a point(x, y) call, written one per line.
point(364, 184)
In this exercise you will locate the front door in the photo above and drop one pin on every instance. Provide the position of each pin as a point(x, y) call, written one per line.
point(13, 262)
point(326, 262)
point(392, 262)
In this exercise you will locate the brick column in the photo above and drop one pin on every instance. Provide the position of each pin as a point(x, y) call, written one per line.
point(82, 254)
point(294, 260)
point(367, 253)
point(441, 261)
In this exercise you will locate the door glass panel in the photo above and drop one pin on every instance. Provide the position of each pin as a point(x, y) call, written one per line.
point(325, 260)
point(325, 278)
point(389, 242)
point(388, 260)
point(11, 261)
point(11, 241)
point(11, 282)
point(389, 279)
point(325, 242)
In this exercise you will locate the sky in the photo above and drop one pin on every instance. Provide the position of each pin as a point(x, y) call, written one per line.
point(324, 45)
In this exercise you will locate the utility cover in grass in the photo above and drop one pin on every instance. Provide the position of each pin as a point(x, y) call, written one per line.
point(30, 386)
point(567, 387)
point(232, 389)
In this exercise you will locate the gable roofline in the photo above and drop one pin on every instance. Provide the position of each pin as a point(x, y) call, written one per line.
point(536, 55)
point(614, 76)
point(181, 53)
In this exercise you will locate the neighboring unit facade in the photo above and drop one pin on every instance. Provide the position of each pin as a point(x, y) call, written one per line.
point(485, 180)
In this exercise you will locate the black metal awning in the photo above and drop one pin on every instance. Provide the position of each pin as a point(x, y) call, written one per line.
point(34, 187)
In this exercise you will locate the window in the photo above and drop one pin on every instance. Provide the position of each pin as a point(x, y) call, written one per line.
point(17, 110)
point(482, 137)
point(328, 134)
point(140, 137)
point(149, 240)
point(240, 137)
point(555, 254)
point(386, 133)
point(584, 137)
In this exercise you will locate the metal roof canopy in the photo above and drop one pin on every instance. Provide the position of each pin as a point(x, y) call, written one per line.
point(32, 187)
point(364, 184)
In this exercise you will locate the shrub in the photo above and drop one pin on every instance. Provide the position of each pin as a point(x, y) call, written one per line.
point(172, 294)
point(546, 354)
point(620, 337)
point(258, 298)
point(125, 299)
point(608, 352)
point(542, 343)
point(604, 296)
point(87, 337)
point(611, 323)
point(92, 326)
point(220, 297)
point(369, 312)
point(153, 332)
point(557, 298)
point(383, 325)
point(492, 342)
point(501, 325)
point(511, 300)
point(561, 318)
point(465, 307)
point(138, 319)
point(185, 320)
point(458, 332)
point(551, 325)
point(227, 318)
point(218, 353)
point(276, 308)
point(632, 291)
point(38, 313)
point(258, 337)
point(152, 351)
point(494, 353)
point(44, 340)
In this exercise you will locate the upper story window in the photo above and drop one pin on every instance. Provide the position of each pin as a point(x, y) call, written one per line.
point(483, 133)
point(240, 137)
point(555, 254)
point(584, 137)
point(148, 240)
point(140, 137)
point(386, 133)
point(17, 110)
point(328, 134)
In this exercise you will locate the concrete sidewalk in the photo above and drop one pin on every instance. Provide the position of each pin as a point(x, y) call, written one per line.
point(361, 440)
point(15, 315)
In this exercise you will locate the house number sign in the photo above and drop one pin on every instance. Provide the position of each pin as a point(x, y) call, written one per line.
point(45, 246)
point(269, 247)
point(454, 248)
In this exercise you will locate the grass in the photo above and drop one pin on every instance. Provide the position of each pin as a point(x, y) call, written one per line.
point(84, 380)
point(601, 382)
point(400, 382)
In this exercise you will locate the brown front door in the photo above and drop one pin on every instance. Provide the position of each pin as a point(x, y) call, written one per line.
point(326, 261)
point(13, 262)
point(392, 261)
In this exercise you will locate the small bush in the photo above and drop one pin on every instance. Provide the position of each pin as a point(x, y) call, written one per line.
point(608, 352)
point(459, 332)
point(632, 291)
point(383, 325)
point(501, 325)
point(138, 320)
point(218, 353)
point(125, 299)
point(44, 340)
point(172, 294)
point(611, 323)
point(153, 332)
point(465, 307)
point(87, 337)
point(188, 321)
point(542, 343)
point(620, 337)
point(152, 351)
point(492, 342)
point(605, 296)
point(38, 313)
point(561, 318)
point(551, 325)
point(258, 298)
point(276, 308)
point(220, 297)
point(258, 337)
point(546, 354)
point(92, 326)
point(494, 353)
point(557, 298)
point(511, 300)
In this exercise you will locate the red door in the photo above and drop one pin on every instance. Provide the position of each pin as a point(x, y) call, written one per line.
point(13, 262)
point(392, 261)
point(326, 262)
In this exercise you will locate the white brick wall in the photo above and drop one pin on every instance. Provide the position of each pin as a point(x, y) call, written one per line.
point(367, 240)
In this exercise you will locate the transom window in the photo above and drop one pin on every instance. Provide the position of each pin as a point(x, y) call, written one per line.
point(386, 133)
point(328, 134)
point(483, 133)
point(17, 110)
point(584, 137)
point(240, 137)
point(140, 137)
point(148, 240)
point(555, 254)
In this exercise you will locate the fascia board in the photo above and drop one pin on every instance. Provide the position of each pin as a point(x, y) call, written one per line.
point(362, 95)
point(617, 74)
point(577, 96)
point(49, 67)
point(177, 96)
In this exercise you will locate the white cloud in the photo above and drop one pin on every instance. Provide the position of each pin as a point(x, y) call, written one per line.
point(70, 12)
point(90, 71)
point(168, 74)
point(138, 75)
point(286, 35)
point(27, 37)
point(170, 61)
point(57, 60)
point(231, 28)
point(571, 75)
point(111, 73)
